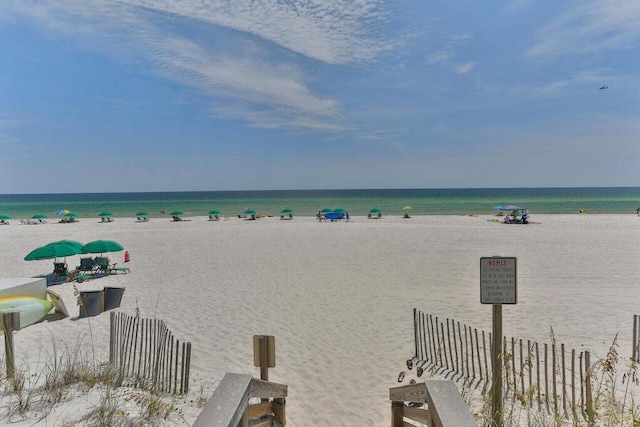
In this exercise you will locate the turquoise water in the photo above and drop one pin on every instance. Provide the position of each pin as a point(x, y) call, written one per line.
point(623, 200)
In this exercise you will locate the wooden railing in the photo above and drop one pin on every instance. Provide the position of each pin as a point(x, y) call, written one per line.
point(230, 407)
point(434, 403)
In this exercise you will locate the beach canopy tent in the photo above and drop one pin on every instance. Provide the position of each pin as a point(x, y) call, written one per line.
point(333, 215)
point(105, 214)
point(101, 246)
point(52, 250)
point(39, 216)
point(509, 208)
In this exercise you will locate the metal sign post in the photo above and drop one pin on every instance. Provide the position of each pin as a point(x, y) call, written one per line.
point(497, 286)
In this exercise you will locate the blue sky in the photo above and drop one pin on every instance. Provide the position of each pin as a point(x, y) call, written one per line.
point(167, 95)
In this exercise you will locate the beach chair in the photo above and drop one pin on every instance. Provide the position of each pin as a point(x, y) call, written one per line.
point(101, 265)
point(119, 270)
point(86, 264)
point(60, 269)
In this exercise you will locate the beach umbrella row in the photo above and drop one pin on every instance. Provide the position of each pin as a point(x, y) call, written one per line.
point(65, 248)
point(247, 211)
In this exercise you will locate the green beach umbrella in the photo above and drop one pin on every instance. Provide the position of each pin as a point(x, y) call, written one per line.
point(52, 251)
point(338, 210)
point(72, 243)
point(250, 211)
point(39, 216)
point(373, 210)
point(72, 214)
point(105, 213)
point(325, 210)
point(214, 213)
point(406, 208)
point(3, 216)
point(101, 246)
point(176, 213)
point(142, 213)
point(286, 210)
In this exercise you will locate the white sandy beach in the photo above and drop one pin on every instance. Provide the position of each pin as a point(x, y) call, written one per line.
point(338, 297)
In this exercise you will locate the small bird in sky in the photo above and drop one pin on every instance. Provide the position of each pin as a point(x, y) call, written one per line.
point(604, 87)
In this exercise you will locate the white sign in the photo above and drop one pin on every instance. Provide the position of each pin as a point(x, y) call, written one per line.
point(498, 280)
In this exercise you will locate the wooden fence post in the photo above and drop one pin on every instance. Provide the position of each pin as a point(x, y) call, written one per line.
point(10, 321)
point(587, 380)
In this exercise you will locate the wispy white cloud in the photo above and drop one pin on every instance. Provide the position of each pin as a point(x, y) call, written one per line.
point(448, 55)
point(465, 68)
point(440, 57)
point(240, 70)
point(333, 31)
point(589, 27)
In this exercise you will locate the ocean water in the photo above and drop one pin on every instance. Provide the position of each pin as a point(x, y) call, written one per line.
point(618, 200)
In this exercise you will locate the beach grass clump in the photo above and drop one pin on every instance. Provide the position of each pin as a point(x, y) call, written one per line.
point(75, 376)
point(612, 405)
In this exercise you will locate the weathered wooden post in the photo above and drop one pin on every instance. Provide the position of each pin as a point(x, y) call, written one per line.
point(10, 323)
point(497, 287)
point(264, 354)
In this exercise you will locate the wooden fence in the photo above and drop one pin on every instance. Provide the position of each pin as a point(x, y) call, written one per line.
point(552, 377)
point(147, 352)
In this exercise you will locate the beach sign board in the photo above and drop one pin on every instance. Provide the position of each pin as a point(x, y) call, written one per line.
point(260, 342)
point(498, 280)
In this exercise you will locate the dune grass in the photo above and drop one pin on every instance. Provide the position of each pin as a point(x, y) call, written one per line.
point(100, 396)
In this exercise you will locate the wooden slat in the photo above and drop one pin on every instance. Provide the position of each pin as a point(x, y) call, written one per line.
point(408, 393)
point(259, 410)
point(228, 403)
point(264, 389)
point(279, 410)
point(266, 423)
point(446, 405)
point(417, 414)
